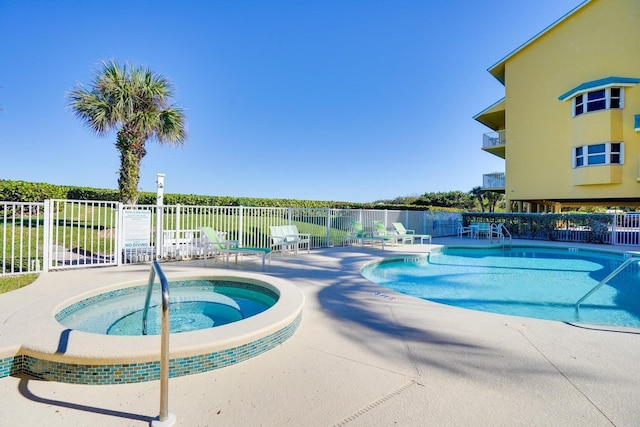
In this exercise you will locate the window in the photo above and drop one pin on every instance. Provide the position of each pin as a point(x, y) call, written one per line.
point(602, 99)
point(605, 153)
point(579, 157)
point(615, 100)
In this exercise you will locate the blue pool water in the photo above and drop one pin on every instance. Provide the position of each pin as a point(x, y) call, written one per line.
point(194, 304)
point(537, 282)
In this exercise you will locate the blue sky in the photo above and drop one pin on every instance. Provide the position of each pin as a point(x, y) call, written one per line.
point(343, 100)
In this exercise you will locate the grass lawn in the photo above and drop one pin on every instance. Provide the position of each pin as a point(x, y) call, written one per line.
point(10, 283)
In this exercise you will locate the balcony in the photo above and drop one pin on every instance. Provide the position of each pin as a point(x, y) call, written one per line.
point(494, 182)
point(495, 142)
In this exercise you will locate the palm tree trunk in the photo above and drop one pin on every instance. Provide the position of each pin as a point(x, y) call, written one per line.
point(131, 154)
point(129, 178)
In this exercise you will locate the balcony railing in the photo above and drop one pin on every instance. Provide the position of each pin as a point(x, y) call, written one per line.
point(494, 139)
point(493, 181)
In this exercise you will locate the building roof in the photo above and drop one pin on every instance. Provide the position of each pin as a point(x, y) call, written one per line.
point(599, 84)
point(497, 69)
point(493, 116)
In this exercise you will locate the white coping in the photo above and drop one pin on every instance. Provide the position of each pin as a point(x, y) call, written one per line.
point(91, 348)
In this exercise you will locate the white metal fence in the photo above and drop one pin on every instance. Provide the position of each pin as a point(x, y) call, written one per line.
point(179, 237)
point(21, 237)
point(625, 230)
point(80, 233)
point(64, 234)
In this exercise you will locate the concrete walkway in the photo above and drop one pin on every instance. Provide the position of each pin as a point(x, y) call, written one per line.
point(363, 356)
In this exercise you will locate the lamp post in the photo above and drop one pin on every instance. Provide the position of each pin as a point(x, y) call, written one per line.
point(159, 203)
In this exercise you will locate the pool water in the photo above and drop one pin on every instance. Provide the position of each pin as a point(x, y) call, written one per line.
point(535, 282)
point(193, 305)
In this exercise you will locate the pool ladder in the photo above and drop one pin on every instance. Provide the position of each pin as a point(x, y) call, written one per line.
point(606, 280)
point(501, 233)
point(165, 419)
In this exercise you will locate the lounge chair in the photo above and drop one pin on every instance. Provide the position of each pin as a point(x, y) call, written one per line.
point(410, 233)
point(227, 247)
point(381, 230)
point(358, 233)
point(285, 236)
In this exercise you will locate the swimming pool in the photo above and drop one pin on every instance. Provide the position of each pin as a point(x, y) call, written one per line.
point(538, 282)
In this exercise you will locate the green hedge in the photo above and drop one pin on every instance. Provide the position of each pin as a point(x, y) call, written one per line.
point(591, 228)
point(22, 191)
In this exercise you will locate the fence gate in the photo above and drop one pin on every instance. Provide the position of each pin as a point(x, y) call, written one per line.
point(21, 237)
point(80, 234)
point(625, 229)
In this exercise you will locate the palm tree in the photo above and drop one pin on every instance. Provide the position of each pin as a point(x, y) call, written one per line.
point(134, 101)
point(493, 199)
point(478, 194)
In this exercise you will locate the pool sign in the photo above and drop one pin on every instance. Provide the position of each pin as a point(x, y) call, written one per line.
point(137, 228)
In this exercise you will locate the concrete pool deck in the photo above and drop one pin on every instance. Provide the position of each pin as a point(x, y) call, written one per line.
point(362, 356)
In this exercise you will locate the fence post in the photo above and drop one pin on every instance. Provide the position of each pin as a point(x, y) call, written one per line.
point(159, 244)
point(240, 225)
point(178, 227)
point(424, 224)
point(328, 228)
point(119, 234)
point(46, 238)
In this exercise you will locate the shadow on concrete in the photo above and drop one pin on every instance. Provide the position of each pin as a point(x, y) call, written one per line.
point(350, 300)
point(23, 388)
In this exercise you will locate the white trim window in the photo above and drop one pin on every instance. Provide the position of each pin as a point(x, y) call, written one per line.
point(604, 153)
point(601, 99)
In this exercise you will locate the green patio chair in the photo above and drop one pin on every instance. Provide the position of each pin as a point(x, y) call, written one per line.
point(227, 247)
point(358, 233)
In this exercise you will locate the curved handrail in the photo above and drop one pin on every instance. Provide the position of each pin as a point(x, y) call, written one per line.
point(605, 280)
point(165, 416)
point(501, 232)
point(164, 287)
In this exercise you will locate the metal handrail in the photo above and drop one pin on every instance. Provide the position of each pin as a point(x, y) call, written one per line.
point(605, 280)
point(503, 231)
point(165, 417)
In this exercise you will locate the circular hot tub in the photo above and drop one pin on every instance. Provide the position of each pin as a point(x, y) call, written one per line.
point(195, 304)
point(88, 354)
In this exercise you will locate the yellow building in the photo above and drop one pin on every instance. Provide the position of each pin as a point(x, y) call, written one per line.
point(569, 124)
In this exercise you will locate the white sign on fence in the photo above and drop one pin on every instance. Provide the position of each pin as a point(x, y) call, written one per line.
point(137, 228)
